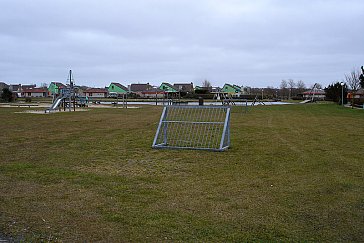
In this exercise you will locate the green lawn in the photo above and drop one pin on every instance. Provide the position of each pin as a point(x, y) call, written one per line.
point(294, 173)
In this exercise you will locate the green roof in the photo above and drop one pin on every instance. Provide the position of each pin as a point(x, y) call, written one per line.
point(167, 87)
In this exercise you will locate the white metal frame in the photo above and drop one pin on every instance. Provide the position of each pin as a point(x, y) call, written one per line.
point(193, 127)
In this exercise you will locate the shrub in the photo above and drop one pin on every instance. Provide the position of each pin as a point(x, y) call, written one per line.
point(6, 95)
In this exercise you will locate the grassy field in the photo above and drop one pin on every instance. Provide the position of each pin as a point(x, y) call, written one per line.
point(294, 173)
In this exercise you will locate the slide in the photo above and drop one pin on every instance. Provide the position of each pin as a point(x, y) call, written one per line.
point(56, 103)
point(305, 101)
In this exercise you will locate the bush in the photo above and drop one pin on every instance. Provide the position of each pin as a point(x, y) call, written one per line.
point(202, 91)
point(6, 95)
point(133, 96)
point(196, 96)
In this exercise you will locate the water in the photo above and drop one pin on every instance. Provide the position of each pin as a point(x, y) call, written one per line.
point(194, 103)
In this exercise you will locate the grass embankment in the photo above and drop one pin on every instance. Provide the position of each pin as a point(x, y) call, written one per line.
point(294, 173)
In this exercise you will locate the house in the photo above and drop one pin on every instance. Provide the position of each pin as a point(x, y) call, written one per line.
point(215, 90)
point(115, 89)
point(167, 88)
point(360, 93)
point(316, 94)
point(358, 96)
point(139, 88)
point(55, 88)
point(15, 88)
point(80, 89)
point(202, 90)
point(28, 86)
point(153, 93)
point(96, 92)
point(184, 87)
point(34, 92)
point(233, 90)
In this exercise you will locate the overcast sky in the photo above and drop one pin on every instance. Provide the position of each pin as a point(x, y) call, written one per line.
point(251, 43)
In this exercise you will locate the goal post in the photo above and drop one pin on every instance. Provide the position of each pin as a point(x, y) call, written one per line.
point(193, 127)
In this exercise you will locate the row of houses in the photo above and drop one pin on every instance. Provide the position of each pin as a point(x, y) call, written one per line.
point(25, 90)
point(115, 89)
point(144, 90)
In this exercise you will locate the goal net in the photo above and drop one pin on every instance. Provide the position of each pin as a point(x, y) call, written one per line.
point(194, 127)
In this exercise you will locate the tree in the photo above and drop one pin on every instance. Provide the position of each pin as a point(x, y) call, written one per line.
point(206, 87)
point(352, 79)
point(301, 86)
point(335, 92)
point(269, 92)
point(247, 90)
point(283, 87)
point(291, 85)
point(206, 84)
point(6, 95)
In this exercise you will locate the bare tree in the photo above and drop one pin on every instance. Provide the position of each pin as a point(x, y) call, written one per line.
point(247, 90)
point(269, 92)
point(206, 84)
point(300, 86)
point(353, 80)
point(291, 85)
point(283, 87)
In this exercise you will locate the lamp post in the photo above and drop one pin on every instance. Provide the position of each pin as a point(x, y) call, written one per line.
point(342, 93)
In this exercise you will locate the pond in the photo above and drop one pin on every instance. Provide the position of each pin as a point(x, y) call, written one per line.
point(239, 103)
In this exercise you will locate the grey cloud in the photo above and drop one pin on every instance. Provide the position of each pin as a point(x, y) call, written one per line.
point(252, 43)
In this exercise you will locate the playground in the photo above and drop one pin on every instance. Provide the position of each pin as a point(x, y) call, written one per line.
point(292, 173)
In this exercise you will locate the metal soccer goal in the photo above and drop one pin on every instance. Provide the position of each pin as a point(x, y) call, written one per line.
point(194, 127)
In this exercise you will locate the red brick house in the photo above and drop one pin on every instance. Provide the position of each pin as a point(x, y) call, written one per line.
point(34, 92)
point(96, 92)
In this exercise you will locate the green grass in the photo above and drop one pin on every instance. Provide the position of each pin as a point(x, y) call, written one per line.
point(294, 173)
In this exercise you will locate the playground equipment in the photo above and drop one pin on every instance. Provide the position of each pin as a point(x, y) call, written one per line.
point(224, 98)
point(67, 98)
point(124, 100)
point(169, 98)
point(194, 127)
point(311, 96)
point(244, 103)
point(57, 102)
point(256, 100)
point(228, 100)
point(172, 98)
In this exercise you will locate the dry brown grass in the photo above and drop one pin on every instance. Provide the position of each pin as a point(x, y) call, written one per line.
point(293, 173)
